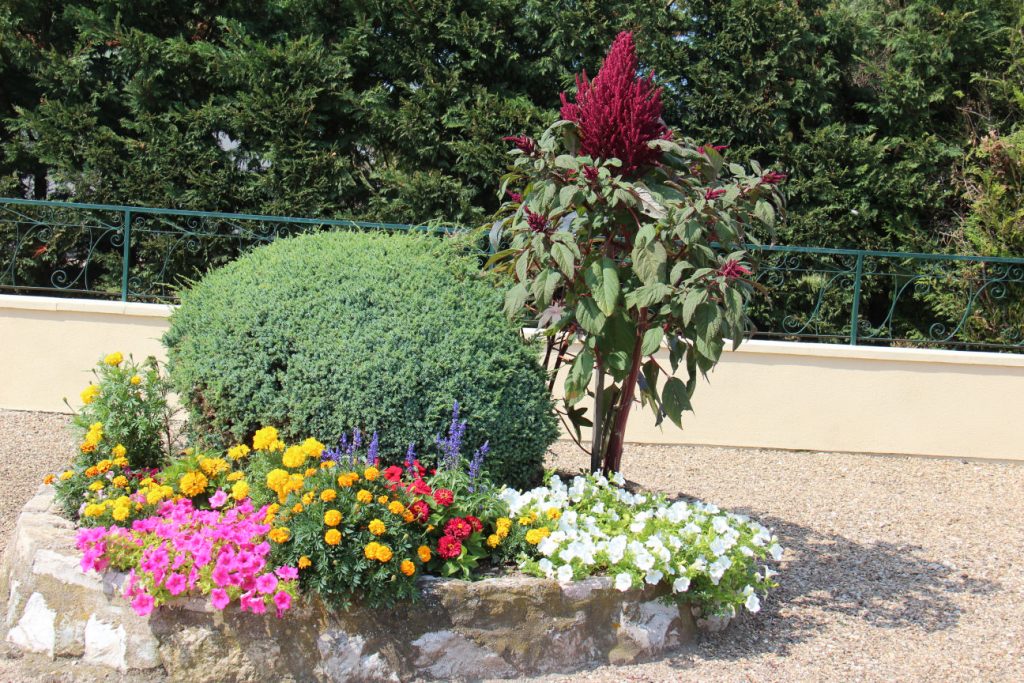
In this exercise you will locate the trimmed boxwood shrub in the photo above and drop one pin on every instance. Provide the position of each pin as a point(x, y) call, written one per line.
point(324, 333)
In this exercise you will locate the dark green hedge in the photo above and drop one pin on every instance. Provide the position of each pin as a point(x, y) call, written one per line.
point(322, 333)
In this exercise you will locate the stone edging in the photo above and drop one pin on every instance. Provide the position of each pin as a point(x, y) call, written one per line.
point(495, 628)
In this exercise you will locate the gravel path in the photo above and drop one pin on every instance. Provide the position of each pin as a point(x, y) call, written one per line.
point(896, 569)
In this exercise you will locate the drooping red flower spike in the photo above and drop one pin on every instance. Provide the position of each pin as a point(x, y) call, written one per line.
point(618, 112)
point(733, 269)
point(523, 143)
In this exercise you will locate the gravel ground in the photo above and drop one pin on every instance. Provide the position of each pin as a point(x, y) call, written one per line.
point(896, 569)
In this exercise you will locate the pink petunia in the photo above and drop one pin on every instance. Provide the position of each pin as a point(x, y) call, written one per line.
point(219, 598)
point(283, 601)
point(266, 583)
point(143, 604)
point(218, 498)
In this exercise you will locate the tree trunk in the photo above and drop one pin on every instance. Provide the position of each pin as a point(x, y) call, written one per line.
point(613, 450)
point(596, 441)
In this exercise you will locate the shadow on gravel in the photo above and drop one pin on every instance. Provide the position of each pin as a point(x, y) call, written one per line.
point(828, 577)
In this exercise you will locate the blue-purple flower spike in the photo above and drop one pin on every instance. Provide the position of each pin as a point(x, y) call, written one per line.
point(372, 450)
point(410, 457)
point(476, 463)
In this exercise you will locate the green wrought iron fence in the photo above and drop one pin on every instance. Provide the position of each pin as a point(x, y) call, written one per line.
point(830, 295)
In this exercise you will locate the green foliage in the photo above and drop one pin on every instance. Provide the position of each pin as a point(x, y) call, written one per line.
point(129, 400)
point(623, 265)
point(323, 333)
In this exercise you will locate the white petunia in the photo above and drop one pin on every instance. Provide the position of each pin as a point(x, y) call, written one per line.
point(720, 524)
point(618, 479)
point(681, 585)
point(616, 549)
point(564, 573)
point(637, 526)
point(654, 577)
point(753, 604)
point(547, 546)
point(623, 581)
point(643, 560)
point(776, 552)
point(545, 566)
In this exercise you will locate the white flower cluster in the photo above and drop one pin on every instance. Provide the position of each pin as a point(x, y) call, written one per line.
point(593, 525)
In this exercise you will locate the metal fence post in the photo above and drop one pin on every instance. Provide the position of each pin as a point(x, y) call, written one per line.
point(126, 253)
point(855, 310)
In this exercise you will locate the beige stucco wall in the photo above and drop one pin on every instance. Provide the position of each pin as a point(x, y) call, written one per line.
point(768, 394)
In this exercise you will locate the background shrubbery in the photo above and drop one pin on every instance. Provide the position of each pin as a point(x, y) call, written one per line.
point(324, 333)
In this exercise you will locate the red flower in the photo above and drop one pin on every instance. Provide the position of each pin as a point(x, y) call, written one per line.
point(444, 497)
point(449, 547)
point(717, 148)
point(523, 143)
point(421, 510)
point(393, 473)
point(590, 174)
point(773, 178)
point(514, 196)
point(537, 222)
point(714, 194)
point(458, 528)
point(733, 269)
point(419, 487)
point(475, 523)
point(617, 113)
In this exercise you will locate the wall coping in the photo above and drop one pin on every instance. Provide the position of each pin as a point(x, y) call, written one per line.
point(754, 347)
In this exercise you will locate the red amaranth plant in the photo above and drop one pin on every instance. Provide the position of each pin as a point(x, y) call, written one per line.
point(618, 112)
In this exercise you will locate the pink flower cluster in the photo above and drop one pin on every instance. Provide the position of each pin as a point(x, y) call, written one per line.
point(222, 553)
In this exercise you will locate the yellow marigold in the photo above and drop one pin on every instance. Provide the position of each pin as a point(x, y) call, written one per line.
point(407, 516)
point(136, 380)
point(120, 481)
point(328, 495)
point(371, 473)
point(238, 452)
point(502, 526)
point(304, 562)
point(103, 466)
point(554, 513)
point(280, 534)
point(310, 472)
point(114, 359)
point(308, 497)
point(96, 486)
point(493, 541)
point(91, 471)
point(376, 527)
point(364, 496)
point(293, 457)
point(89, 394)
point(383, 500)
point(423, 552)
point(120, 512)
point(272, 511)
point(235, 476)
point(332, 537)
point(192, 483)
point(312, 448)
point(332, 518)
point(297, 508)
point(371, 550)
point(240, 490)
point(535, 536)
point(277, 446)
point(345, 481)
point(264, 439)
point(384, 554)
point(328, 464)
point(407, 567)
point(121, 462)
point(67, 474)
point(396, 507)
point(93, 510)
point(527, 520)
point(277, 480)
point(211, 467)
point(87, 447)
point(48, 479)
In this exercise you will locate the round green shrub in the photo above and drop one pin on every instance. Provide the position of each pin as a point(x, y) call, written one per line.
point(323, 333)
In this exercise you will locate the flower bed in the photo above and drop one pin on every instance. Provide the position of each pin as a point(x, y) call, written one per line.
point(210, 548)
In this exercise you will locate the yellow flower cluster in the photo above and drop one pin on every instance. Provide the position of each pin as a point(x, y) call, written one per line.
point(376, 527)
point(348, 479)
point(280, 534)
point(238, 452)
point(328, 495)
point(501, 529)
point(211, 467)
point(282, 483)
point(266, 440)
point(377, 551)
point(423, 552)
point(136, 380)
point(192, 484)
point(119, 508)
point(240, 490)
point(364, 497)
point(93, 437)
point(89, 394)
point(154, 492)
point(535, 536)
point(371, 473)
point(332, 518)
point(114, 359)
point(407, 567)
point(332, 537)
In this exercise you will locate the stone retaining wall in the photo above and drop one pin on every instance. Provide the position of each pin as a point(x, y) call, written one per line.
point(495, 628)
